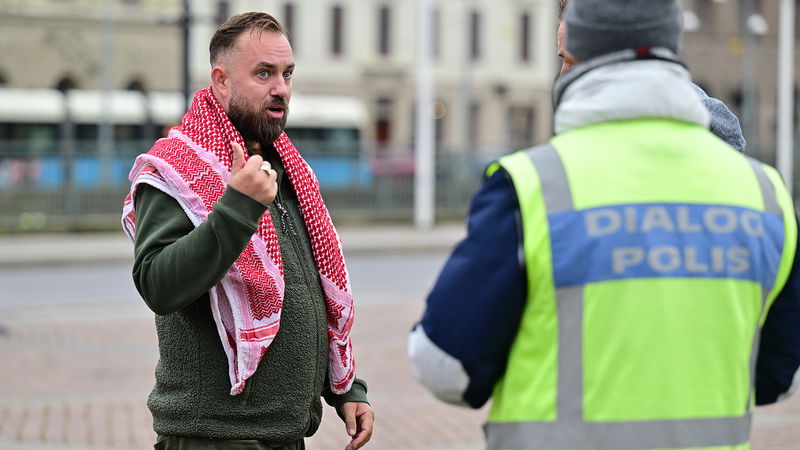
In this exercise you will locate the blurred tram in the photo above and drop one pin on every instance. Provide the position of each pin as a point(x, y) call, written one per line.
point(49, 139)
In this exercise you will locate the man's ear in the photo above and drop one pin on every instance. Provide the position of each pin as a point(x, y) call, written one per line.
point(220, 82)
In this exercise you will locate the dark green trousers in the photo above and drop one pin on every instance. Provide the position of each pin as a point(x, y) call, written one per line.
point(193, 443)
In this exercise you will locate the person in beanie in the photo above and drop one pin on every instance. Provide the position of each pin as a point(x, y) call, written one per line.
point(722, 122)
point(236, 254)
point(631, 284)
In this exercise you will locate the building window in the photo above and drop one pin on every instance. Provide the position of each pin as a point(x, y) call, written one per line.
point(384, 30)
point(701, 9)
point(288, 23)
point(520, 126)
point(525, 37)
point(706, 14)
point(474, 35)
point(473, 121)
point(66, 83)
point(383, 124)
point(797, 16)
point(435, 34)
point(337, 30)
point(135, 85)
point(223, 11)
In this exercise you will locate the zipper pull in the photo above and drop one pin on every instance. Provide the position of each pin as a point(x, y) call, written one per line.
point(286, 220)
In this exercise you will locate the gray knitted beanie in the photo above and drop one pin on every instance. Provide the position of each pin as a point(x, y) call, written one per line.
point(597, 27)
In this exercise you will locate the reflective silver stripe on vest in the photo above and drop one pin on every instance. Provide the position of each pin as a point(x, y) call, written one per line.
point(570, 431)
point(767, 188)
point(771, 206)
point(553, 177)
point(619, 435)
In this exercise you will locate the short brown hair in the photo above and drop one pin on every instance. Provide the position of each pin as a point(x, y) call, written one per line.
point(227, 33)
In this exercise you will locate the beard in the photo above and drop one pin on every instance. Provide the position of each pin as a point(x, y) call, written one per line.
point(253, 123)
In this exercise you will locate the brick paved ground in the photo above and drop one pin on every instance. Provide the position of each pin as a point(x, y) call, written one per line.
point(81, 383)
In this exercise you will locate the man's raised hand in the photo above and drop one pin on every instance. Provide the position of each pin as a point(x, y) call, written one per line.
point(254, 178)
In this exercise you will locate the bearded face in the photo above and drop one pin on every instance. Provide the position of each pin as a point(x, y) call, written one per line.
point(255, 123)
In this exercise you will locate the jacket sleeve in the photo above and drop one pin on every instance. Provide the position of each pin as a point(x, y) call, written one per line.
point(174, 262)
point(724, 124)
point(357, 393)
point(460, 347)
point(777, 374)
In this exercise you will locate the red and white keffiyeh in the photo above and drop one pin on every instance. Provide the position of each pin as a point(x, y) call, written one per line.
point(193, 164)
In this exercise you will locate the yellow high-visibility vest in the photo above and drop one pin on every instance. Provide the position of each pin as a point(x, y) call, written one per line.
point(653, 252)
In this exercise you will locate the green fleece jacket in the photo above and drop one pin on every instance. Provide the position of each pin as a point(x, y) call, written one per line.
point(175, 266)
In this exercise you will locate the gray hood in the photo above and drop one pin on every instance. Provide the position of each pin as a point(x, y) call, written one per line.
point(606, 90)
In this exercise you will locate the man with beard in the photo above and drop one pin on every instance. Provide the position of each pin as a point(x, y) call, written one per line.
point(236, 254)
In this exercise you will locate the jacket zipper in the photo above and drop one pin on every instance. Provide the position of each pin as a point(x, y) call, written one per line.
point(288, 227)
point(286, 222)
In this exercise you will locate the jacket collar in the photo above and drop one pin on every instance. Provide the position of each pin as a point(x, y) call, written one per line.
point(623, 86)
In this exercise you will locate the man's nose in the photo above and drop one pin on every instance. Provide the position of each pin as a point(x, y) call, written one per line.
point(280, 88)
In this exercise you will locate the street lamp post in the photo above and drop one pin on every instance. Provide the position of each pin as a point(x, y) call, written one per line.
point(749, 105)
point(785, 134)
point(425, 172)
point(105, 132)
point(185, 68)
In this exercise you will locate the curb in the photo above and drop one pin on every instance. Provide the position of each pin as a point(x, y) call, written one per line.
point(114, 247)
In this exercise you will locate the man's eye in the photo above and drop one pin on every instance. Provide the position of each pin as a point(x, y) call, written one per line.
point(288, 75)
point(263, 73)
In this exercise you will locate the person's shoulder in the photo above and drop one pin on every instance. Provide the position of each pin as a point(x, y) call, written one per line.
point(497, 164)
point(723, 123)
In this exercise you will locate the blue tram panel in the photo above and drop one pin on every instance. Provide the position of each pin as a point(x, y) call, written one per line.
point(50, 172)
point(340, 172)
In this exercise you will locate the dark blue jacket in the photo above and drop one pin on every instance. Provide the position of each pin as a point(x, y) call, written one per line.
point(484, 280)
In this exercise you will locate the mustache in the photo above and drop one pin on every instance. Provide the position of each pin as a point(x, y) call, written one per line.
point(277, 102)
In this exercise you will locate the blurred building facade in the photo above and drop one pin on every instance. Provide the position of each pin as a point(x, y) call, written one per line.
point(66, 44)
point(493, 63)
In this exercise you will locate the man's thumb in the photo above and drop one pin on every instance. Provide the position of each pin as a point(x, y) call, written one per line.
point(238, 158)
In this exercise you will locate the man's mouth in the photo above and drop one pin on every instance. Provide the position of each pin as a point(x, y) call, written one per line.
point(276, 112)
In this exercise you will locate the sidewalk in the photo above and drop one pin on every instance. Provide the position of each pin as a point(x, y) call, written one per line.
point(79, 382)
point(109, 247)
